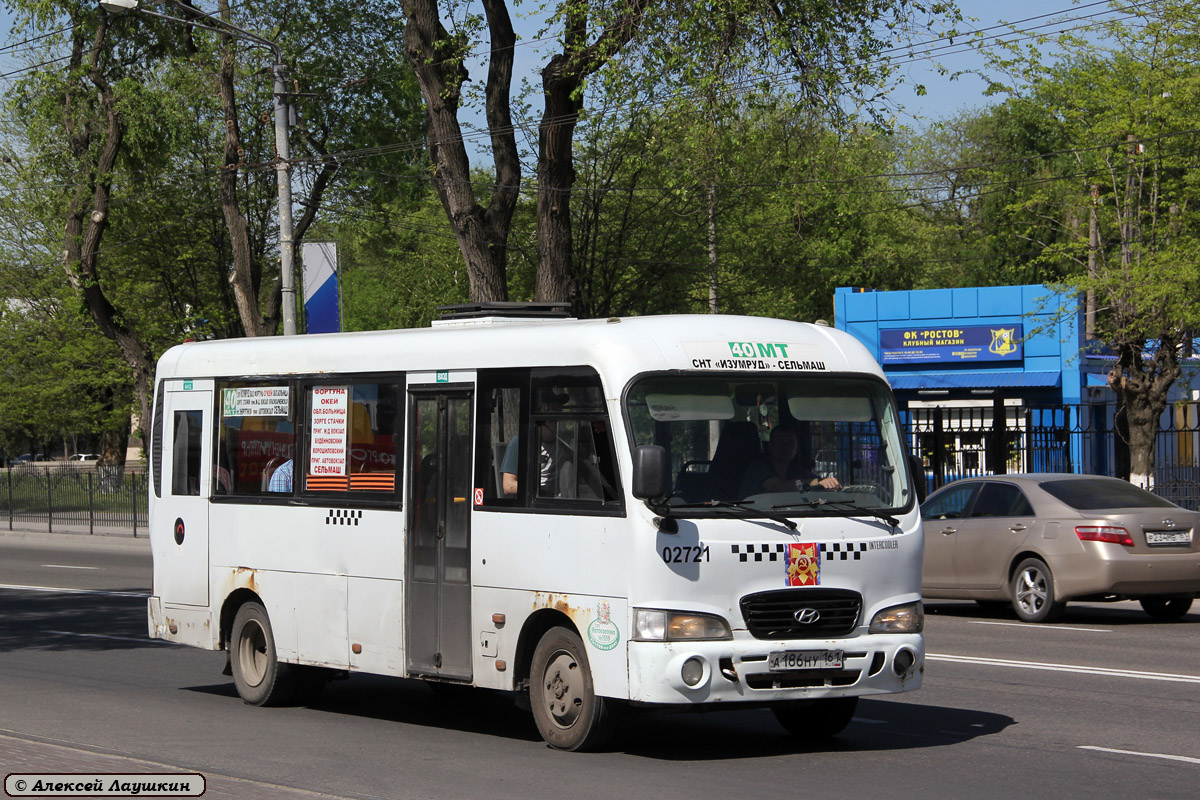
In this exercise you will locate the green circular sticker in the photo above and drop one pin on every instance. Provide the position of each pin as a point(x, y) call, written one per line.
point(603, 632)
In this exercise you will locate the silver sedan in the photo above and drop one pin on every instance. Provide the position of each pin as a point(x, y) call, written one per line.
point(1038, 541)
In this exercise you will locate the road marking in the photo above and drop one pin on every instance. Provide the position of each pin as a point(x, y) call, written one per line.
point(1168, 757)
point(146, 640)
point(67, 566)
point(1028, 626)
point(62, 590)
point(1104, 671)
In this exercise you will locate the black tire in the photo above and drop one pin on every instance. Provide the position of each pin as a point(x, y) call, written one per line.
point(817, 720)
point(1032, 592)
point(260, 679)
point(565, 707)
point(1166, 608)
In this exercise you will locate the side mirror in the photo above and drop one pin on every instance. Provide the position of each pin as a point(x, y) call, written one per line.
point(916, 466)
point(651, 475)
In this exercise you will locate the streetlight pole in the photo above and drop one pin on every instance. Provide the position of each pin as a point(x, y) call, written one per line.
point(283, 164)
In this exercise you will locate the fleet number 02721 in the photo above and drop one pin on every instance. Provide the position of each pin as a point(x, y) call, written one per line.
point(686, 554)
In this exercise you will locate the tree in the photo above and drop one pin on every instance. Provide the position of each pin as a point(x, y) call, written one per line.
point(1128, 113)
point(765, 213)
point(164, 195)
point(829, 53)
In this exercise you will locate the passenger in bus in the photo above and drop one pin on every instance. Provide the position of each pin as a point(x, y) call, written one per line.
point(281, 478)
point(554, 455)
point(779, 471)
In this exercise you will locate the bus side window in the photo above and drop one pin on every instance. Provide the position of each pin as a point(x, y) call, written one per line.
point(575, 456)
point(354, 437)
point(256, 442)
point(502, 415)
point(185, 456)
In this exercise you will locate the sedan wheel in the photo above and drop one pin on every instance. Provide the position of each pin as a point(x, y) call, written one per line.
point(1032, 592)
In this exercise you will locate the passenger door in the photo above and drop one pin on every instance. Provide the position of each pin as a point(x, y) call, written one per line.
point(1000, 521)
point(438, 599)
point(944, 514)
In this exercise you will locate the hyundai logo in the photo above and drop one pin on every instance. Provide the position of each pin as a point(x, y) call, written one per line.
point(807, 616)
point(1168, 523)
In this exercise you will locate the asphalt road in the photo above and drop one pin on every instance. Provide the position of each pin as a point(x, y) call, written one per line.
point(1105, 704)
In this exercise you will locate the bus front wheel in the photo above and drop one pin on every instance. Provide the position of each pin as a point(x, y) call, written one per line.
point(260, 679)
point(816, 720)
point(567, 711)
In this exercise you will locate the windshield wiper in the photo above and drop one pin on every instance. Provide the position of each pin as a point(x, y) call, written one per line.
point(845, 508)
point(735, 508)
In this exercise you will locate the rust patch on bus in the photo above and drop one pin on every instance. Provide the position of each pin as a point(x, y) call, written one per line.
point(173, 626)
point(245, 578)
point(559, 603)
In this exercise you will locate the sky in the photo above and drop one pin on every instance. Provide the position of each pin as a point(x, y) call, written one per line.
point(944, 97)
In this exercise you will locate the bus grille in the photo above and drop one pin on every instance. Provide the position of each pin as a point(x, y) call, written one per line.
point(773, 615)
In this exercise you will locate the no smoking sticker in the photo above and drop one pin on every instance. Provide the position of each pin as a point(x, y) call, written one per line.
point(479, 497)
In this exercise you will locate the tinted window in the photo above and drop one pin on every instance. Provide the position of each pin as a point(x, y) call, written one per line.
point(185, 466)
point(949, 503)
point(1093, 494)
point(545, 439)
point(1001, 500)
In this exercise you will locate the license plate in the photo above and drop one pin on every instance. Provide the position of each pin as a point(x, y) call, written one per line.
point(787, 660)
point(1168, 537)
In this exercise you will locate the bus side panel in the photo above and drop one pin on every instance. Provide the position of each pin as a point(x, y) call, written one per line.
point(276, 591)
point(323, 540)
point(311, 568)
point(573, 565)
point(376, 621)
point(599, 621)
point(182, 625)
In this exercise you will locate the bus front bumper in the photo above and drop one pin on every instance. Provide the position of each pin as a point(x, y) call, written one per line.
point(739, 671)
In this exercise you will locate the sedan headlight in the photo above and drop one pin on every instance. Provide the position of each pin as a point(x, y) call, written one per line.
point(907, 618)
point(653, 625)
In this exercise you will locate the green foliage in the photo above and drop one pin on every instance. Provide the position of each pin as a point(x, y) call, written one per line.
point(796, 209)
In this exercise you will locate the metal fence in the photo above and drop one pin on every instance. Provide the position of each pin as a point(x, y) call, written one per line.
point(955, 442)
point(1090, 439)
point(75, 496)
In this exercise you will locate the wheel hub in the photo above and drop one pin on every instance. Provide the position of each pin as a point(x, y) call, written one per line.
point(563, 697)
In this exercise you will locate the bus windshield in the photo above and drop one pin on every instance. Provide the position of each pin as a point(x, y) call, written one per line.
point(811, 446)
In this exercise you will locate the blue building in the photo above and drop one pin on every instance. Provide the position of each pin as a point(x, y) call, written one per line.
point(994, 379)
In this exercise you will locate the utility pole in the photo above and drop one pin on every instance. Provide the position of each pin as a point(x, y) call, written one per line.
point(283, 165)
point(1093, 247)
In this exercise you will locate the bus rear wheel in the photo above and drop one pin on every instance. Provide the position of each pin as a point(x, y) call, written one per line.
point(565, 707)
point(260, 679)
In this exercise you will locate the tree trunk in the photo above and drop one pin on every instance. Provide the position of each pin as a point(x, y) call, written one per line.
point(87, 213)
point(1142, 387)
point(244, 280)
point(562, 82)
point(556, 177)
point(436, 57)
point(713, 263)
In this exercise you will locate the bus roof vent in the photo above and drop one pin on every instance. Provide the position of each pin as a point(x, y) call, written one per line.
point(499, 313)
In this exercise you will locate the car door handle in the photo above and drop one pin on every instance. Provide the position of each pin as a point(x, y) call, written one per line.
point(1017, 528)
point(948, 531)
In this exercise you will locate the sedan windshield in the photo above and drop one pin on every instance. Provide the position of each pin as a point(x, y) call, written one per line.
point(811, 446)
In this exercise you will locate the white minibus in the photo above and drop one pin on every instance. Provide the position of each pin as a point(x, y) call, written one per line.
point(606, 515)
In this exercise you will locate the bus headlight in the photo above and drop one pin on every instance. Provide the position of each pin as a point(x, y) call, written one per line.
point(653, 625)
point(907, 618)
